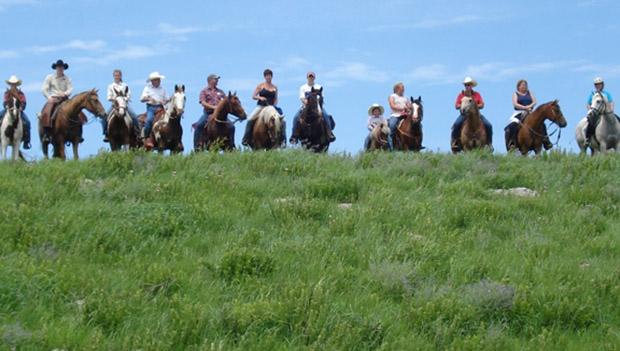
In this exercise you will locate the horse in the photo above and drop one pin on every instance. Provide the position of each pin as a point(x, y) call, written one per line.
point(218, 129)
point(607, 133)
point(532, 130)
point(312, 133)
point(120, 124)
point(268, 130)
point(11, 130)
point(67, 123)
point(379, 137)
point(168, 132)
point(473, 133)
point(408, 136)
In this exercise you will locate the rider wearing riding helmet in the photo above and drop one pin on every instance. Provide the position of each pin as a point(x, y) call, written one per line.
point(14, 83)
point(469, 84)
point(118, 86)
point(599, 87)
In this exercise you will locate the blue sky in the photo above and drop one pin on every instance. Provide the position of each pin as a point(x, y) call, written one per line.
point(358, 49)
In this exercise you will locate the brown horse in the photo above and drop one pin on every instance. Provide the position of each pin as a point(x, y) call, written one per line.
point(379, 137)
point(268, 131)
point(473, 133)
point(120, 126)
point(532, 130)
point(312, 131)
point(219, 130)
point(67, 123)
point(408, 136)
point(168, 132)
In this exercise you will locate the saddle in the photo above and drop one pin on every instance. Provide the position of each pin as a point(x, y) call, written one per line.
point(159, 114)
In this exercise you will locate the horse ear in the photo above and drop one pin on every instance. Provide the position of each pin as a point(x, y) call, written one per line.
point(229, 94)
point(176, 88)
point(235, 93)
point(420, 98)
point(411, 99)
point(321, 90)
point(183, 87)
point(126, 89)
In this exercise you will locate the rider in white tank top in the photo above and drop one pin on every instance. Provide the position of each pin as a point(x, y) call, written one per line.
point(400, 102)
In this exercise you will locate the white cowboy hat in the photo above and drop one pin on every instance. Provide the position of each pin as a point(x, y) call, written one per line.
point(598, 80)
point(374, 106)
point(470, 80)
point(155, 75)
point(14, 80)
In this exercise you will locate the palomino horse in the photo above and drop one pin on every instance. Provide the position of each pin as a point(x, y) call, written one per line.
point(532, 130)
point(11, 130)
point(607, 134)
point(312, 133)
point(68, 120)
point(219, 131)
point(408, 136)
point(168, 132)
point(379, 137)
point(268, 131)
point(473, 133)
point(120, 126)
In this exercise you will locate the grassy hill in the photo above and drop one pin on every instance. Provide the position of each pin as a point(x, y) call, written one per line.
point(288, 250)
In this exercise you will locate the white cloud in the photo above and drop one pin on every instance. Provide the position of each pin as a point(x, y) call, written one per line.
point(6, 54)
point(167, 28)
point(354, 71)
point(598, 69)
point(32, 87)
point(82, 45)
point(5, 4)
point(430, 23)
point(130, 52)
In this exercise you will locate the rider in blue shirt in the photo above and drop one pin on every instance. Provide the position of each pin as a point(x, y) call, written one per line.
point(599, 87)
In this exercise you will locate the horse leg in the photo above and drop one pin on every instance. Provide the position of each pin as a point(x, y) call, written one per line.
point(16, 150)
point(3, 149)
point(75, 145)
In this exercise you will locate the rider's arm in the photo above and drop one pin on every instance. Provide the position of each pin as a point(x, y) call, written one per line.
point(534, 101)
point(69, 87)
point(275, 100)
point(145, 95)
point(393, 105)
point(459, 99)
point(481, 104)
point(516, 105)
point(302, 96)
point(22, 98)
point(45, 88)
point(255, 95)
point(111, 93)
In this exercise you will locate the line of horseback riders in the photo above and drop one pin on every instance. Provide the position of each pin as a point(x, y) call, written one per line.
point(159, 127)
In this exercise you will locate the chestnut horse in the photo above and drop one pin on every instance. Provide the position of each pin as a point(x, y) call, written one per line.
point(379, 137)
point(312, 133)
point(268, 130)
point(68, 120)
point(168, 132)
point(473, 133)
point(408, 136)
point(12, 128)
point(120, 126)
point(532, 130)
point(219, 129)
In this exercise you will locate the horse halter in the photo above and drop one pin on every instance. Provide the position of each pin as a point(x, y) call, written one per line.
point(602, 108)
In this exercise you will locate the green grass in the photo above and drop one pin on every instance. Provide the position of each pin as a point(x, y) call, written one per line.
point(251, 251)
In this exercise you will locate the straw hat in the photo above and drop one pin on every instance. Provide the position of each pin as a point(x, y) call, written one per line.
point(470, 80)
point(14, 80)
point(374, 106)
point(155, 75)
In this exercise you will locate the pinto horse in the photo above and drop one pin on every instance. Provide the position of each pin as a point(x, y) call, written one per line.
point(473, 133)
point(219, 129)
point(11, 130)
point(312, 133)
point(68, 121)
point(167, 131)
point(268, 130)
point(532, 130)
point(120, 124)
point(408, 136)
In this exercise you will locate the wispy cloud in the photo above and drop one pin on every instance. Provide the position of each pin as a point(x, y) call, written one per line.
point(429, 23)
point(5, 4)
point(354, 71)
point(168, 28)
point(6, 54)
point(612, 70)
point(82, 45)
point(32, 87)
point(129, 52)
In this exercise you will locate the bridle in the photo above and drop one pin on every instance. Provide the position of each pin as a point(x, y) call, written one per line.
point(540, 135)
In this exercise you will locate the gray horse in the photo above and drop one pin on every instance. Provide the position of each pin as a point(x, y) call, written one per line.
point(607, 134)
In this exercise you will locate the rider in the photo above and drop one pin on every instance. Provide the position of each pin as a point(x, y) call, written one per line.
point(210, 96)
point(56, 89)
point(599, 87)
point(469, 84)
point(375, 117)
point(400, 107)
point(155, 97)
point(14, 83)
point(523, 102)
point(266, 94)
point(118, 86)
point(328, 120)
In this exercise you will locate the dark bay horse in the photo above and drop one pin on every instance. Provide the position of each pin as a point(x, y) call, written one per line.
point(219, 130)
point(120, 125)
point(68, 120)
point(168, 132)
point(312, 133)
point(473, 133)
point(268, 130)
point(532, 130)
point(408, 136)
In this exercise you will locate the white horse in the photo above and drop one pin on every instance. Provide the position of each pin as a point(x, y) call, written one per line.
point(607, 134)
point(12, 129)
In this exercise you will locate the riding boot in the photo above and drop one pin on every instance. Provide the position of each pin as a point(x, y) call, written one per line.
point(26, 139)
point(106, 139)
point(47, 135)
point(247, 136)
point(590, 130)
point(455, 140)
point(546, 142)
point(180, 146)
point(512, 131)
point(330, 134)
point(294, 137)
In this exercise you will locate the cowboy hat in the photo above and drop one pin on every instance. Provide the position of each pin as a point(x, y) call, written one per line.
point(599, 80)
point(155, 75)
point(373, 107)
point(60, 63)
point(14, 80)
point(470, 80)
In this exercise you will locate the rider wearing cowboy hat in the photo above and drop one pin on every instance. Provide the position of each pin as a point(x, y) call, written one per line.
point(469, 84)
point(599, 87)
point(14, 83)
point(375, 117)
point(155, 97)
point(56, 89)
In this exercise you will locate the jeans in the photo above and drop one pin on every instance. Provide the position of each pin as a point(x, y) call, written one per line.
point(200, 128)
point(367, 142)
point(393, 124)
point(134, 120)
point(456, 128)
point(326, 117)
point(150, 118)
point(25, 122)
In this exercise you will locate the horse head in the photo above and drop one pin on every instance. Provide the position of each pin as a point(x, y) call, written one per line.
point(92, 103)
point(234, 106)
point(318, 93)
point(121, 101)
point(555, 114)
point(177, 103)
point(417, 103)
point(468, 106)
point(599, 103)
